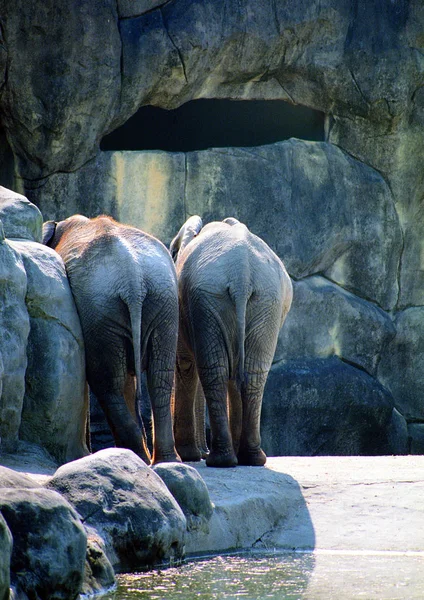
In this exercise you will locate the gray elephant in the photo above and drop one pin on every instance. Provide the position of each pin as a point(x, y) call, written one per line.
point(125, 289)
point(234, 294)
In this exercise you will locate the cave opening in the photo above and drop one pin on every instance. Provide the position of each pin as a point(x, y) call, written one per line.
point(202, 124)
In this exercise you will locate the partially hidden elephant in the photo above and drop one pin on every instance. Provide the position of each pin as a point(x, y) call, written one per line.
point(234, 294)
point(124, 286)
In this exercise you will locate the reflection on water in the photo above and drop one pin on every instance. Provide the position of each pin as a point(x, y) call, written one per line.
point(321, 575)
point(246, 576)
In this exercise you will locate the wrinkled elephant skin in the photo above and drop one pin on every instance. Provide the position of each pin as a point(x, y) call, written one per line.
point(124, 285)
point(234, 295)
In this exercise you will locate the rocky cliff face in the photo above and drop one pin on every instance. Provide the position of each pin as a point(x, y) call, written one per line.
point(346, 216)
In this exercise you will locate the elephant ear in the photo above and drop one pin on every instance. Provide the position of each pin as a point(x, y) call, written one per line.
point(188, 231)
point(231, 221)
point(49, 229)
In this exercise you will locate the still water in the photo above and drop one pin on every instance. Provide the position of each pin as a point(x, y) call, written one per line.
point(282, 576)
point(249, 577)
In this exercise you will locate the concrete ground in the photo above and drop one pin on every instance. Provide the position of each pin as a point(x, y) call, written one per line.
point(361, 518)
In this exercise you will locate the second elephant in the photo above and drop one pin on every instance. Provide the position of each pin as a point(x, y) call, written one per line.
point(234, 295)
point(125, 289)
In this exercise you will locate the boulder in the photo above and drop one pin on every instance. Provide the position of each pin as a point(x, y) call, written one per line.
point(13, 479)
point(398, 434)
point(49, 543)
point(190, 491)
point(5, 557)
point(58, 101)
point(99, 573)
point(325, 320)
point(401, 368)
point(318, 407)
point(416, 437)
point(14, 331)
point(135, 8)
point(20, 217)
point(130, 507)
point(31, 459)
point(55, 408)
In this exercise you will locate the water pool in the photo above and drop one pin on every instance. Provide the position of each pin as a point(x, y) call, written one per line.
point(282, 576)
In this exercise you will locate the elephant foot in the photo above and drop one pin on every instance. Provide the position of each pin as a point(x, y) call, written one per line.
point(251, 457)
point(221, 460)
point(164, 458)
point(189, 453)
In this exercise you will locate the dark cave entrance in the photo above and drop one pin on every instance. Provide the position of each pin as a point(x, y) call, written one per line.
point(202, 124)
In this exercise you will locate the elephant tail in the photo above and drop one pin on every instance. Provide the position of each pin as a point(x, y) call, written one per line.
point(135, 309)
point(240, 301)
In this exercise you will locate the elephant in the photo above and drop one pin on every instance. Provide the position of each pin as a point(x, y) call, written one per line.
point(234, 295)
point(125, 289)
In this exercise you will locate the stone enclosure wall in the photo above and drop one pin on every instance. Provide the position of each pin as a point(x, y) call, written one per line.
point(345, 215)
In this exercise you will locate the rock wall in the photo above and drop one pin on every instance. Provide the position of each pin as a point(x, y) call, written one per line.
point(42, 371)
point(346, 216)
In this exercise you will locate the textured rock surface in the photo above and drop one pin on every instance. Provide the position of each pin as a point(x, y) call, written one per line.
point(190, 491)
point(360, 223)
point(416, 434)
point(128, 504)
point(20, 218)
point(5, 556)
point(323, 407)
point(402, 364)
point(12, 479)
point(42, 368)
point(49, 543)
point(14, 331)
point(325, 320)
point(99, 573)
point(54, 410)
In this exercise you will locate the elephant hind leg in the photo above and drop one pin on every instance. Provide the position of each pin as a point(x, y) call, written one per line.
point(214, 382)
point(107, 378)
point(126, 432)
point(160, 378)
point(245, 404)
point(185, 405)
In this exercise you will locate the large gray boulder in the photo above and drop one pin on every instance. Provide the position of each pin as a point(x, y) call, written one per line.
point(5, 556)
point(42, 366)
point(54, 412)
point(325, 320)
point(401, 368)
point(129, 506)
point(190, 491)
point(99, 574)
point(20, 217)
point(49, 543)
point(317, 407)
point(14, 331)
point(13, 479)
point(67, 45)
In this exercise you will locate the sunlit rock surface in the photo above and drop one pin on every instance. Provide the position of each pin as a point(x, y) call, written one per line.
point(42, 366)
point(130, 507)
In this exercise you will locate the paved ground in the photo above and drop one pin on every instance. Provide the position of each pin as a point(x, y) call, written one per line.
point(361, 517)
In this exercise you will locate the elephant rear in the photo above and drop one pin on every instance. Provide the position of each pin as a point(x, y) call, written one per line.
point(234, 295)
point(124, 286)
